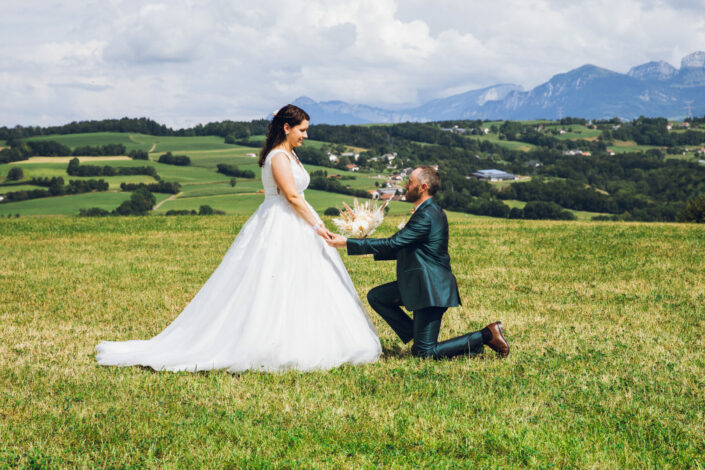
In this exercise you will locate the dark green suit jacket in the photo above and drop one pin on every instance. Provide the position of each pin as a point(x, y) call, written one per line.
point(423, 264)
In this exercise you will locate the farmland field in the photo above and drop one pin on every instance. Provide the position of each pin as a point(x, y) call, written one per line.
point(67, 205)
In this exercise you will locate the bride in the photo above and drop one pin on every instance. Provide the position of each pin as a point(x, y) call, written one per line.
point(280, 299)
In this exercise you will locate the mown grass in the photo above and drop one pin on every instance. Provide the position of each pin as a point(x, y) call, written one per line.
point(606, 371)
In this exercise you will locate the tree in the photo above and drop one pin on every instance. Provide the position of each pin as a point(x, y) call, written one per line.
point(694, 211)
point(15, 174)
point(331, 211)
point(140, 202)
point(72, 169)
point(546, 210)
point(139, 155)
point(233, 182)
point(205, 210)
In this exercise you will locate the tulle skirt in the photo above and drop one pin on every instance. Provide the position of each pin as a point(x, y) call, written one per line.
point(280, 299)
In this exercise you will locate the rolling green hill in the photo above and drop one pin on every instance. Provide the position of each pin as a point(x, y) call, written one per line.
point(507, 148)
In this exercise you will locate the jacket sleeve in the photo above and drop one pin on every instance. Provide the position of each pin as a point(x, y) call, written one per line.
point(415, 231)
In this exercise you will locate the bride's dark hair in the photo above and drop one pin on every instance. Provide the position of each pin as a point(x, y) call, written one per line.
point(289, 114)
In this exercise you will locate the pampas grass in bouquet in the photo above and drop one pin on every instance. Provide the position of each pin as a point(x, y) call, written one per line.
point(361, 220)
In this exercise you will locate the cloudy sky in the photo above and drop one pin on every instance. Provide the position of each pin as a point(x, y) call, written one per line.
point(185, 62)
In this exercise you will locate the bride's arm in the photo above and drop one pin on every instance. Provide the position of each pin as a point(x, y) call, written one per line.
point(281, 170)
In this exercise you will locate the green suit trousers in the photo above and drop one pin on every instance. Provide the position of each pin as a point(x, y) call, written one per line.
point(423, 328)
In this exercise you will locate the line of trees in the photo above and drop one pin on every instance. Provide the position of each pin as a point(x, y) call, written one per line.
point(142, 125)
point(167, 187)
point(179, 160)
point(203, 210)
point(140, 203)
point(20, 150)
point(321, 182)
point(76, 169)
point(233, 170)
point(653, 131)
point(57, 188)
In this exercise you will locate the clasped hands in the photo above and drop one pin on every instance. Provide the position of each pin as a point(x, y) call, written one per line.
point(334, 240)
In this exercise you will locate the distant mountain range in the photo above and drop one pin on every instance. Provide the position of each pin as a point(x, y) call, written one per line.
point(652, 89)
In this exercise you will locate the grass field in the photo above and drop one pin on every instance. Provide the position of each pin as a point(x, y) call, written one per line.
point(237, 201)
point(580, 215)
point(69, 204)
point(509, 144)
point(201, 184)
point(134, 141)
point(606, 371)
point(624, 146)
point(575, 132)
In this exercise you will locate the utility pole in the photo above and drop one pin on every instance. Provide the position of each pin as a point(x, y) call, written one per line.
point(690, 114)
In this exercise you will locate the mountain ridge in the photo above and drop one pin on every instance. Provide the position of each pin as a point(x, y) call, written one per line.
point(652, 89)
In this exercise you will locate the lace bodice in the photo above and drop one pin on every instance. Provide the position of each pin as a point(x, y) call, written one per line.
point(301, 176)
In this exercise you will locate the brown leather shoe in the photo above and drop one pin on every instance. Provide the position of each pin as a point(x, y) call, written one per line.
point(498, 342)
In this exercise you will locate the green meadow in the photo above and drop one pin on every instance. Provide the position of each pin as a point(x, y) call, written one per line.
point(200, 183)
point(135, 141)
point(606, 367)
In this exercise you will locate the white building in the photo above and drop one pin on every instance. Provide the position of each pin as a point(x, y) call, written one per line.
point(493, 175)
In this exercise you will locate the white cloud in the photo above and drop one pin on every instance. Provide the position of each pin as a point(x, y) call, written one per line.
point(183, 61)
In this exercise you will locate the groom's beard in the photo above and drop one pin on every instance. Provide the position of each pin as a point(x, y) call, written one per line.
point(412, 195)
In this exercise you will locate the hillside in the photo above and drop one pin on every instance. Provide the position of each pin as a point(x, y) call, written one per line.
point(646, 169)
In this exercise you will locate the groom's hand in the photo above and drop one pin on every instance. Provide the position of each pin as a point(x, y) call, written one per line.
point(337, 241)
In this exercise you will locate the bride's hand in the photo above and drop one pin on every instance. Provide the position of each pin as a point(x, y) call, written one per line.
point(324, 232)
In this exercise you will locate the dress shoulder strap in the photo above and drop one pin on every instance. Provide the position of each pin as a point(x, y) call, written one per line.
point(293, 158)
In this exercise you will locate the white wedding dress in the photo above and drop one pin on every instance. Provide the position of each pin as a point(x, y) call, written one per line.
point(280, 299)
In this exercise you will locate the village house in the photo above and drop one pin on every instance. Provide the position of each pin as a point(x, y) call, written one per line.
point(455, 129)
point(385, 194)
point(352, 167)
point(582, 153)
point(251, 155)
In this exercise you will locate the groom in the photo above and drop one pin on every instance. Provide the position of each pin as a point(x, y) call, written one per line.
point(425, 283)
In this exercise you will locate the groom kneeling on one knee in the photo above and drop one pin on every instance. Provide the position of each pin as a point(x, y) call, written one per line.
point(425, 282)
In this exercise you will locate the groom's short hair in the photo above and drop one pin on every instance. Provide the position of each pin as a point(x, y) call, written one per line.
point(430, 176)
